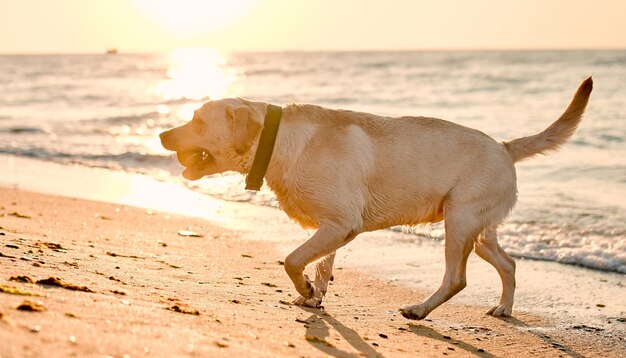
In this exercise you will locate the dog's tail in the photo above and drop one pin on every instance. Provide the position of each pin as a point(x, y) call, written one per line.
point(558, 132)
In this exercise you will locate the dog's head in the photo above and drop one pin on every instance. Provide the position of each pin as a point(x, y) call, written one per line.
point(219, 138)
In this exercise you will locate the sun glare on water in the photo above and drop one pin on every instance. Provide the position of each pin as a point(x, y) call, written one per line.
point(185, 18)
point(196, 74)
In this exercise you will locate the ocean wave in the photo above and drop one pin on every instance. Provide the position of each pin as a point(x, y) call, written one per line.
point(378, 65)
point(186, 100)
point(283, 72)
point(596, 249)
point(131, 161)
point(159, 69)
point(23, 130)
point(602, 138)
point(617, 61)
point(263, 72)
point(127, 119)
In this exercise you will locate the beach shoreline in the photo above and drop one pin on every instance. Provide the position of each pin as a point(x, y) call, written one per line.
point(139, 266)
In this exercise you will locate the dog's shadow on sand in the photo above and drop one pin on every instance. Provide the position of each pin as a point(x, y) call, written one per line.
point(433, 334)
point(555, 344)
point(318, 330)
point(319, 323)
point(429, 332)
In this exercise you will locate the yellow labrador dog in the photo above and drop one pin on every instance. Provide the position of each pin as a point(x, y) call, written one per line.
point(345, 173)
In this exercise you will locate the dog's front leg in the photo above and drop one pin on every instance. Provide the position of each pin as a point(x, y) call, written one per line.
point(323, 243)
point(323, 274)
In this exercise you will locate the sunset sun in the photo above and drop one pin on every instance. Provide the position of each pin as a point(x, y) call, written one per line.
point(186, 18)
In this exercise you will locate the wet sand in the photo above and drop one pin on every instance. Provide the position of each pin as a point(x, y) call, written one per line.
point(157, 291)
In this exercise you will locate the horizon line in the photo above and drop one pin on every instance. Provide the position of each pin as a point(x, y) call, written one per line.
point(330, 50)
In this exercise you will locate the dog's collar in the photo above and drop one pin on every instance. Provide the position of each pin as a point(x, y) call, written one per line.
point(264, 150)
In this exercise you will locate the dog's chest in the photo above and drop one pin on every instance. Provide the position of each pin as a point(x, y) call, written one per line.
point(294, 202)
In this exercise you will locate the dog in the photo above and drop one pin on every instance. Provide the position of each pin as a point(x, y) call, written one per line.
point(344, 173)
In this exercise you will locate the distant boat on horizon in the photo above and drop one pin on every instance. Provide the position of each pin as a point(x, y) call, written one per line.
point(111, 51)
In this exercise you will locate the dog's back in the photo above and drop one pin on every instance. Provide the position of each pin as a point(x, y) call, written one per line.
point(382, 171)
point(379, 171)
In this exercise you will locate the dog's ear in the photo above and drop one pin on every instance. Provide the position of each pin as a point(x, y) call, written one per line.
point(246, 125)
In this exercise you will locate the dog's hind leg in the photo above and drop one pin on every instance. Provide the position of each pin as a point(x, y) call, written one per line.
point(460, 236)
point(487, 247)
point(323, 274)
point(322, 244)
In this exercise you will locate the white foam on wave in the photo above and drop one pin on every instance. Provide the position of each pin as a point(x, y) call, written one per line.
point(602, 252)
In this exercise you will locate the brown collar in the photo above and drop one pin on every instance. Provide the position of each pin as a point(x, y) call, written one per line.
point(263, 154)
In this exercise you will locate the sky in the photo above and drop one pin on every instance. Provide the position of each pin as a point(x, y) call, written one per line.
point(92, 26)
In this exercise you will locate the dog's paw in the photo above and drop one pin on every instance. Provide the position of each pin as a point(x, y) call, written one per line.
point(500, 311)
point(309, 288)
point(416, 312)
point(308, 302)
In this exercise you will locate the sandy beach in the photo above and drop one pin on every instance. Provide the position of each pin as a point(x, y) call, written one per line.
point(141, 282)
point(123, 237)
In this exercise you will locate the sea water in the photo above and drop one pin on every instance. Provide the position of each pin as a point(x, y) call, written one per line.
point(107, 111)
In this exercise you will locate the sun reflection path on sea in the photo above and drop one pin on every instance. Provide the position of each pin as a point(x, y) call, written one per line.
point(196, 74)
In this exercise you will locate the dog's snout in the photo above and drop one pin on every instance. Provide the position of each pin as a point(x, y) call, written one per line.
point(163, 136)
point(168, 141)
